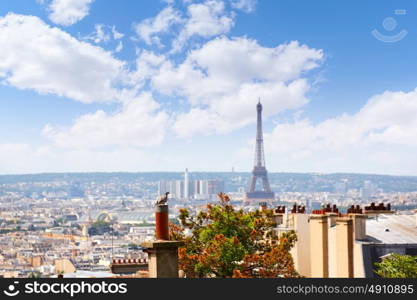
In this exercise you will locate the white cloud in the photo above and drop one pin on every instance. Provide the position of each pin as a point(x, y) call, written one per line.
point(223, 65)
point(149, 29)
point(103, 34)
point(137, 124)
point(247, 6)
point(119, 47)
point(224, 78)
point(235, 110)
point(68, 12)
point(148, 65)
point(379, 138)
point(206, 20)
point(49, 61)
point(99, 35)
point(116, 35)
point(388, 118)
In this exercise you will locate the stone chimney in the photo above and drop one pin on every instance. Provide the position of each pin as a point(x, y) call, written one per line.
point(301, 250)
point(163, 253)
point(319, 246)
point(298, 209)
point(344, 248)
point(359, 226)
point(381, 208)
point(279, 213)
point(332, 213)
point(263, 206)
point(332, 218)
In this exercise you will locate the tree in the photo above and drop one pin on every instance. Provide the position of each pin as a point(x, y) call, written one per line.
point(99, 227)
point(58, 222)
point(35, 275)
point(397, 266)
point(224, 242)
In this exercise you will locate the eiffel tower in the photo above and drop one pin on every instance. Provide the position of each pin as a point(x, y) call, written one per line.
point(259, 170)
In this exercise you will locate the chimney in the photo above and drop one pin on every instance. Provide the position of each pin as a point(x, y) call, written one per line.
point(301, 250)
point(378, 209)
point(263, 206)
point(162, 253)
point(359, 225)
point(319, 246)
point(332, 218)
point(298, 209)
point(280, 210)
point(162, 222)
point(279, 214)
point(344, 248)
point(332, 213)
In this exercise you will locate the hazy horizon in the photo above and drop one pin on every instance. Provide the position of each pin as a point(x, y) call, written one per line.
point(200, 172)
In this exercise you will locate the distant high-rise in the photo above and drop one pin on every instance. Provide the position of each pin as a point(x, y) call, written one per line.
point(368, 190)
point(175, 188)
point(179, 189)
point(163, 187)
point(259, 170)
point(215, 186)
point(191, 189)
point(186, 185)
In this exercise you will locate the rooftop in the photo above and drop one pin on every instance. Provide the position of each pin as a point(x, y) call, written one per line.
point(88, 274)
point(392, 229)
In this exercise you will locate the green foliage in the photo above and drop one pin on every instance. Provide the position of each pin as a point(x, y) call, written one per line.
point(99, 227)
point(34, 275)
point(225, 242)
point(58, 222)
point(397, 266)
point(132, 246)
point(174, 221)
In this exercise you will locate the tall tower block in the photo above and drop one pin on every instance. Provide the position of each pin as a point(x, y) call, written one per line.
point(259, 171)
point(186, 185)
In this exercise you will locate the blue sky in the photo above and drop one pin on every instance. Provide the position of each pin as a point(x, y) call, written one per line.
point(95, 85)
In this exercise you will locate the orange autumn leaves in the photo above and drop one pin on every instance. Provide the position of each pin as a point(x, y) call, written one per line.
point(224, 242)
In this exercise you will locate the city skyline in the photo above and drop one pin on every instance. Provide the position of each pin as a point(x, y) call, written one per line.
point(103, 86)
